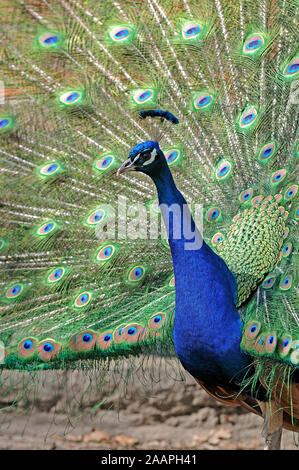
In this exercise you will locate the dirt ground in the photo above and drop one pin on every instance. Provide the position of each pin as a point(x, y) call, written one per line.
point(174, 414)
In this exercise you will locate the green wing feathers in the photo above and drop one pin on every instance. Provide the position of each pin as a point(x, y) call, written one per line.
point(75, 76)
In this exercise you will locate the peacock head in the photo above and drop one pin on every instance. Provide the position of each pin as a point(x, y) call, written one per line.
point(146, 157)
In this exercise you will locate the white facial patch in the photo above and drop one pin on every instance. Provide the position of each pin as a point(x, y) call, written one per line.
point(135, 159)
point(153, 155)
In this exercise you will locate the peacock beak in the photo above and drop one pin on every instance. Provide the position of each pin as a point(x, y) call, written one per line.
point(128, 165)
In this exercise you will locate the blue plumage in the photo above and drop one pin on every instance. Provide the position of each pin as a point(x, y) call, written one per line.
point(207, 328)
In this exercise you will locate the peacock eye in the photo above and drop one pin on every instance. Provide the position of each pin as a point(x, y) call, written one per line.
point(145, 156)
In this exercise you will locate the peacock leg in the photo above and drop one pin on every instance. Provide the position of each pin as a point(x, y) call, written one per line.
point(272, 428)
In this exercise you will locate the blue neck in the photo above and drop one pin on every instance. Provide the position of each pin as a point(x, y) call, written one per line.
point(207, 328)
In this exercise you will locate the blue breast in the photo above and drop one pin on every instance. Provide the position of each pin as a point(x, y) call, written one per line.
point(208, 328)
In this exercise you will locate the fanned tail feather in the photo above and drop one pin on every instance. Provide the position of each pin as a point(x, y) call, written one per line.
point(75, 78)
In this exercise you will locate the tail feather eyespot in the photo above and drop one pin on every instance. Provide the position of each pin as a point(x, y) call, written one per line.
point(136, 273)
point(6, 123)
point(253, 44)
point(50, 40)
point(268, 282)
point(260, 343)
point(270, 342)
point(118, 334)
point(15, 291)
point(105, 339)
point(217, 239)
point(223, 170)
point(286, 282)
point(121, 33)
point(50, 169)
point(48, 349)
point(56, 274)
point(267, 152)
point(278, 176)
point(133, 333)
point(157, 321)
point(191, 31)
point(96, 216)
point(105, 253)
point(292, 68)
point(172, 156)
point(284, 346)
point(144, 95)
point(106, 162)
point(27, 347)
point(83, 299)
point(86, 340)
point(252, 329)
point(248, 118)
point(291, 192)
point(47, 228)
point(203, 101)
point(213, 214)
point(246, 195)
point(71, 97)
point(287, 249)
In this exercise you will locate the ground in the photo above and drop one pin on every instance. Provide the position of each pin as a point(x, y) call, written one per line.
point(175, 414)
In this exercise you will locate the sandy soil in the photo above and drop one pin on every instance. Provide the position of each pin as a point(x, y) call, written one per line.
point(173, 415)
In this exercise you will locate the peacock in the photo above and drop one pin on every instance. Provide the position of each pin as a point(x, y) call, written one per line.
point(149, 200)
